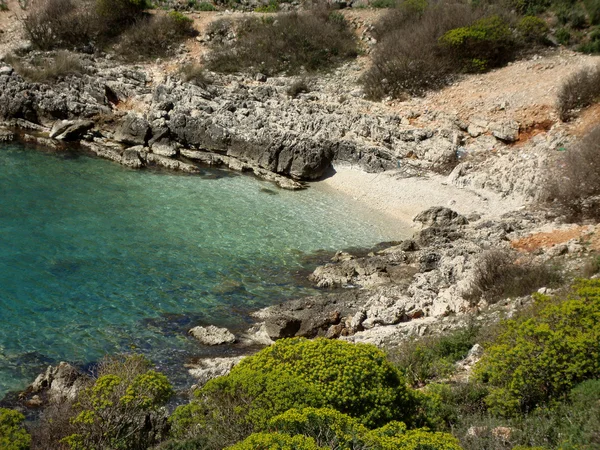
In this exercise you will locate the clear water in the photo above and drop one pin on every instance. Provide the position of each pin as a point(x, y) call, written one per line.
point(97, 259)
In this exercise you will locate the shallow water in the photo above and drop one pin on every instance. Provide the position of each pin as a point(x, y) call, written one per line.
point(96, 258)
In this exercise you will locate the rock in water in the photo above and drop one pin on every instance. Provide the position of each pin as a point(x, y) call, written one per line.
point(212, 335)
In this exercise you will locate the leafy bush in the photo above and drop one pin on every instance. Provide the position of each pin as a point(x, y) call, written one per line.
point(3, 5)
point(574, 186)
point(563, 36)
point(297, 373)
point(276, 441)
point(408, 58)
point(271, 7)
point(329, 429)
point(593, 43)
point(155, 36)
point(499, 275)
point(578, 91)
point(47, 69)
point(533, 30)
point(13, 435)
point(425, 359)
point(530, 6)
point(593, 9)
point(542, 358)
point(122, 409)
point(201, 6)
point(285, 42)
point(118, 14)
point(485, 44)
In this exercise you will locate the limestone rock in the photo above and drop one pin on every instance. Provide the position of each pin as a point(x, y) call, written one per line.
point(133, 130)
point(69, 130)
point(440, 216)
point(207, 369)
point(212, 335)
point(506, 131)
point(62, 381)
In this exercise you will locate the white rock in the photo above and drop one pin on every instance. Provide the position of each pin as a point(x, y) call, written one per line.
point(212, 335)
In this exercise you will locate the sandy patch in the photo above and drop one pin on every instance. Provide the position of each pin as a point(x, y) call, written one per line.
point(388, 194)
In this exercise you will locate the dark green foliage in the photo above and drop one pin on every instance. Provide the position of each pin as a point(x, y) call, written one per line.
point(575, 183)
point(533, 30)
point(485, 44)
point(383, 3)
point(271, 7)
point(13, 435)
point(408, 58)
point(542, 358)
point(425, 359)
point(201, 6)
point(531, 7)
point(592, 45)
point(563, 36)
point(592, 8)
point(286, 42)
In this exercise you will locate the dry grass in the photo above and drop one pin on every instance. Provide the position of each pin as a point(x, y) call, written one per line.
point(286, 42)
point(195, 74)
point(499, 275)
point(574, 184)
point(44, 70)
point(578, 91)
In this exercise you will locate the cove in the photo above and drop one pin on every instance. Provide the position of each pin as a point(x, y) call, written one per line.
point(96, 258)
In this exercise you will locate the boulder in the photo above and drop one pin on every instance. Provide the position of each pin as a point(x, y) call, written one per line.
point(207, 369)
point(133, 130)
point(212, 335)
point(62, 381)
point(282, 327)
point(441, 217)
point(69, 130)
point(506, 131)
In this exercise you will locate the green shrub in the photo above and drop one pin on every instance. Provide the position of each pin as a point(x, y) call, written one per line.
point(383, 3)
point(408, 59)
point(3, 5)
point(593, 43)
point(578, 91)
point(593, 10)
point(271, 7)
point(425, 359)
point(533, 30)
point(485, 44)
point(531, 7)
point(122, 409)
point(276, 441)
point(563, 36)
point(542, 358)
point(285, 42)
point(297, 373)
point(201, 6)
point(13, 435)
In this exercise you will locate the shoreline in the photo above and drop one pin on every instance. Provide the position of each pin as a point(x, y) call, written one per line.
point(400, 198)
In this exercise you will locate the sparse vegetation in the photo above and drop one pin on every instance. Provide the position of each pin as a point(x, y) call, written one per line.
point(498, 274)
point(574, 185)
point(195, 74)
point(298, 87)
point(578, 91)
point(285, 42)
point(47, 69)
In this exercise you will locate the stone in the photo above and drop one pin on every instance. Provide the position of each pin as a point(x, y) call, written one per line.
point(440, 216)
point(212, 335)
point(507, 131)
point(133, 130)
point(69, 130)
point(62, 381)
point(132, 157)
point(260, 77)
point(282, 327)
point(207, 369)
point(6, 70)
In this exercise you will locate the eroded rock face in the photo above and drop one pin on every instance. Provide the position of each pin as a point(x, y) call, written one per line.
point(207, 369)
point(133, 129)
point(58, 382)
point(440, 216)
point(212, 335)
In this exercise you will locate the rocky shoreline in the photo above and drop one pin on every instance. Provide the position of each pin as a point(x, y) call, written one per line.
point(143, 117)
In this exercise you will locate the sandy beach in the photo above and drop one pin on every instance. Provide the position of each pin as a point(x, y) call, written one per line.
point(401, 199)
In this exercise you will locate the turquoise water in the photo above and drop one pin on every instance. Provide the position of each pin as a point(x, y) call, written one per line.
point(96, 258)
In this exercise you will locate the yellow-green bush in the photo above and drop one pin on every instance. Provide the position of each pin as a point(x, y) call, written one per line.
point(12, 434)
point(485, 44)
point(122, 408)
point(327, 428)
point(533, 30)
point(538, 359)
point(276, 441)
point(357, 380)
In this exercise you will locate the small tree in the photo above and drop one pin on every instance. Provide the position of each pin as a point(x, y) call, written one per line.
point(122, 409)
